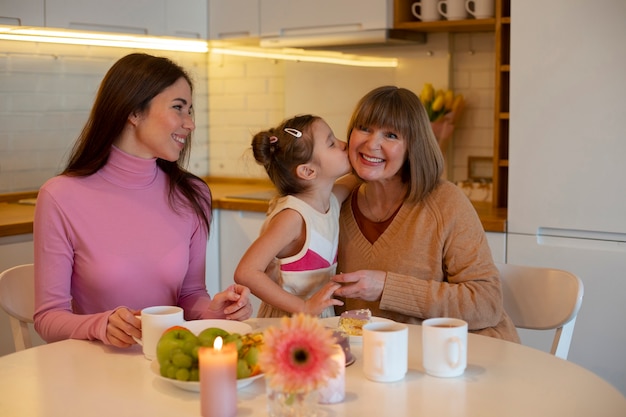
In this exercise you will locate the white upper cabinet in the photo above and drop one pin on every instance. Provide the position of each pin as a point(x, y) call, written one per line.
point(186, 18)
point(145, 17)
point(233, 19)
point(302, 17)
point(22, 13)
point(181, 18)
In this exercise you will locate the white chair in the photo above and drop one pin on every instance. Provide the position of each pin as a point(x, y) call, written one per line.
point(17, 298)
point(543, 299)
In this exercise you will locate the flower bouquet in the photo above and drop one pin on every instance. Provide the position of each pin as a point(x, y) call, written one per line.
point(444, 109)
point(296, 358)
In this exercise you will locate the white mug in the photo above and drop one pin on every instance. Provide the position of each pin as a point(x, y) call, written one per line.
point(452, 9)
point(480, 9)
point(154, 321)
point(426, 10)
point(385, 351)
point(444, 346)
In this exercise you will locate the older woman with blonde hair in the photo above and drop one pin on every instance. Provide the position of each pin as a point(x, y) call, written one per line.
point(411, 245)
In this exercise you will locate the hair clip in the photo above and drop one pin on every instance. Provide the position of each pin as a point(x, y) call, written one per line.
point(293, 132)
point(273, 139)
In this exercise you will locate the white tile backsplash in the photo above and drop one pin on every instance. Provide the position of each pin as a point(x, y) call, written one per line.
point(46, 92)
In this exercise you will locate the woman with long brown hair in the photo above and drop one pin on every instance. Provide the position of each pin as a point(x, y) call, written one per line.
point(125, 226)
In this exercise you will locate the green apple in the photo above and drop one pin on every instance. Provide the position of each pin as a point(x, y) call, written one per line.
point(176, 342)
point(207, 336)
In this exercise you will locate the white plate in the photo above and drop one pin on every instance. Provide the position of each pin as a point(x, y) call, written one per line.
point(231, 326)
point(194, 386)
point(333, 322)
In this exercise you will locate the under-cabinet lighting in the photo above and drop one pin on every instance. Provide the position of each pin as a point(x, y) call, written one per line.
point(302, 55)
point(75, 37)
point(72, 37)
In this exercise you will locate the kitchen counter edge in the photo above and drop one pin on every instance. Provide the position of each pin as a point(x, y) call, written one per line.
point(228, 194)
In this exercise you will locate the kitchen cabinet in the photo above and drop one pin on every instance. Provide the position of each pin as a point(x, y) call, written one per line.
point(237, 231)
point(302, 17)
point(186, 18)
point(500, 24)
point(181, 18)
point(233, 19)
point(22, 13)
point(146, 17)
point(497, 244)
point(565, 207)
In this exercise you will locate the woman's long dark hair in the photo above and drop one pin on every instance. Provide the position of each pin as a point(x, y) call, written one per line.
point(128, 87)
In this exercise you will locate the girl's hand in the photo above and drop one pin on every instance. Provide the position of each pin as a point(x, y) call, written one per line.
point(322, 299)
point(233, 302)
point(366, 285)
point(122, 326)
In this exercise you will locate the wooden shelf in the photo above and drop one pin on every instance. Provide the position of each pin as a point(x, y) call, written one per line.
point(469, 25)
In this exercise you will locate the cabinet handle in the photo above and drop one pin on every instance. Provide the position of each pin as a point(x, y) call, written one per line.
point(108, 28)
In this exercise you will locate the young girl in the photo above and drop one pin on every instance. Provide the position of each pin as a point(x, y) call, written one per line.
point(288, 267)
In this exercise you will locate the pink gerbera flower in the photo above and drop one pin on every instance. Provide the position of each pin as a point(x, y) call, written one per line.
point(296, 357)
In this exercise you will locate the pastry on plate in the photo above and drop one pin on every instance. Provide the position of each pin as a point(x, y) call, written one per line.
point(352, 321)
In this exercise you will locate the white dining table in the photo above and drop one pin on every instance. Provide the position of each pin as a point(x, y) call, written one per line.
point(82, 378)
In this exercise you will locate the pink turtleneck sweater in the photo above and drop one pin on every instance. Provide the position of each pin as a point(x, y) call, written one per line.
point(110, 240)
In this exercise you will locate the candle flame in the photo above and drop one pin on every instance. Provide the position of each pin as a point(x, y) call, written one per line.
point(217, 343)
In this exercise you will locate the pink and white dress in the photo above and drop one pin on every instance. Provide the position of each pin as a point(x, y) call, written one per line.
point(306, 272)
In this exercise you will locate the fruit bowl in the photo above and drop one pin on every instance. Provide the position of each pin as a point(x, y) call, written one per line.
point(231, 326)
point(194, 386)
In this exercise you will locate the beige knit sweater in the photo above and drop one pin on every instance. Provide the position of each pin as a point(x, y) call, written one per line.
point(438, 264)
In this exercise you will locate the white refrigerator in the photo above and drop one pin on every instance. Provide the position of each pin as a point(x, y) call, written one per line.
point(567, 163)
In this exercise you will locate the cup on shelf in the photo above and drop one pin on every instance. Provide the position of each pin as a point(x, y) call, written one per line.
point(385, 351)
point(452, 9)
point(426, 10)
point(444, 346)
point(480, 9)
point(154, 321)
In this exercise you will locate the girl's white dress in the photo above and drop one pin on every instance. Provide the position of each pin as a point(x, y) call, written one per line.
point(307, 271)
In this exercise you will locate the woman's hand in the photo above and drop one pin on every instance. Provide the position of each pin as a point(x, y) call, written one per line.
point(122, 326)
point(366, 285)
point(233, 302)
point(322, 299)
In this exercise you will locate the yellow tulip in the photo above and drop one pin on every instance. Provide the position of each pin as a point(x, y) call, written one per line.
point(448, 100)
point(427, 93)
point(458, 104)
point(438, 103)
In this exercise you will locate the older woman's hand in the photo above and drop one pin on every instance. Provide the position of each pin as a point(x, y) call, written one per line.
point(233, 302)
point(365, 284)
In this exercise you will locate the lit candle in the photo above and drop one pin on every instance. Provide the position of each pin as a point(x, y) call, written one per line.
point(218, 379)
point(335, 389)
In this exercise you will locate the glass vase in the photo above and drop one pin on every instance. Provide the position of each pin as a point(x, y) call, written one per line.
point(291, 404)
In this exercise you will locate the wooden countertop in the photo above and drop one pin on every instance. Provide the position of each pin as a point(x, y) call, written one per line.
point(228, 194)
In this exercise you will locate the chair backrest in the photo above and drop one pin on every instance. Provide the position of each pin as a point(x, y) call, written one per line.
point(543, 299)
point(17, 298)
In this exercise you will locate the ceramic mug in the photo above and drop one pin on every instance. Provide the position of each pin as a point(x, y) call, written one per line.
point(385, 351)
point(480, 9)
point(426, 10)
point(154, 321)
point(444, 346)
point(452, 9)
